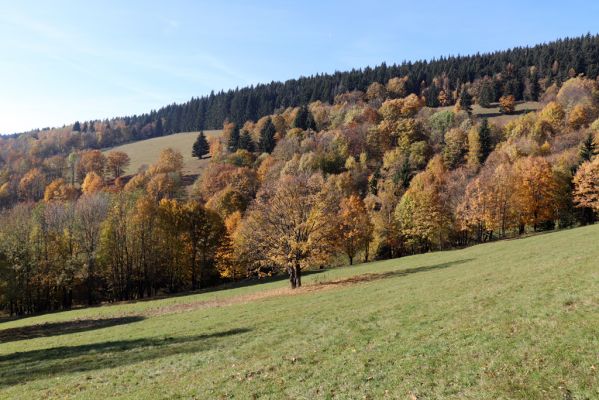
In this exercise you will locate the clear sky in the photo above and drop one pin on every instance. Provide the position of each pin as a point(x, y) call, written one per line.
point(62, 61)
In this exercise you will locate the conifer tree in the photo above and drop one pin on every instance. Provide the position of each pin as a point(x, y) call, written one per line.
point(432, 96)
point(267, 137)
point(246, 142)
point(158, 129)
point(200, 147)
point(465, 101)
point(304, 119)
point(588, 148)
point(484, 134)
point(234, 140)
point(77, 126)
point(486, 95)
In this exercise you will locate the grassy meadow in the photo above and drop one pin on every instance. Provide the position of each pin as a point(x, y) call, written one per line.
point(495, 115)
point(514, 319)
point(146, 152)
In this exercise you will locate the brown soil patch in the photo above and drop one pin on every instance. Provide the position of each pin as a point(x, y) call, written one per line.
point(242, 299)
point(313, 287)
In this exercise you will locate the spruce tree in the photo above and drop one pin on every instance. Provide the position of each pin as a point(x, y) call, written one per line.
point(588, 149)
point(533, 88)
point(484, 133)
point(311, 123)
point(158, 129)
point(234, 139)
point(465, 101)
point(267, 137)
point(200, 146)
point(246, 142)
point(304, 119)
point(432, 96)
point(77, 126)
point(486, 95)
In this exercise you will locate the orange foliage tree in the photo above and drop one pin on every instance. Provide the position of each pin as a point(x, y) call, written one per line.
point(355, 227)
point(586, 185)
point(534, 191)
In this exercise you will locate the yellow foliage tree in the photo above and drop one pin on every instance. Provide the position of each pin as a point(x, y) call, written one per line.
point(507, 104)
point(579, 116)
point(32, 185)
point(58, 190)
point(554, 115)
point(534, 191)
point(355, 227)
point(92, 183)
point(423, 212)
point(397, 87)
point(170, 160)
point(291, 227)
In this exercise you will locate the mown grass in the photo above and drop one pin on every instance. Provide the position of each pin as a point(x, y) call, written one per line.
point(146, 152)
point(515, 319)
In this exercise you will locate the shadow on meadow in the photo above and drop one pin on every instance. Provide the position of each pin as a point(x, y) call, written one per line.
point(48, 363)
point(393, 274)
point(63, 328)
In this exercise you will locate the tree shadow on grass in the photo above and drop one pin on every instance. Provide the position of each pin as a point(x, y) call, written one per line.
point(492, 114)
point(392, 274)
point(62, 328)
point(32, 365)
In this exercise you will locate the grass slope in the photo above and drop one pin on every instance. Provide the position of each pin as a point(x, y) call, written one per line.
point(496, 116)
point(515, 319)
point(146, 152)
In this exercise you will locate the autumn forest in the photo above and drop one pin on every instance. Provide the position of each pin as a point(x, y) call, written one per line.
point(320, 171)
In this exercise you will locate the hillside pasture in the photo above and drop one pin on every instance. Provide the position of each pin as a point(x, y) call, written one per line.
point(514, 319)
point(496, 116)
point(146, 152)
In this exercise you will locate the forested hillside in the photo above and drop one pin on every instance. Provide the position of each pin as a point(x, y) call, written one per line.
point(365, 174)
point(523, 72)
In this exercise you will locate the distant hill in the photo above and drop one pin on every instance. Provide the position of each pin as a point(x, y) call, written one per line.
point(554, 62)
point(524, 72)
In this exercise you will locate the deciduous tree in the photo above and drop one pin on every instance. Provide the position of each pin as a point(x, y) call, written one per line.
point(586, 185)
point(534, 191)
point(355, 227)
point(291, 226)
point(116, 162)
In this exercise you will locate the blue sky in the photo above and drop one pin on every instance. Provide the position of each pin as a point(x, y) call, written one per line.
point(62, 61)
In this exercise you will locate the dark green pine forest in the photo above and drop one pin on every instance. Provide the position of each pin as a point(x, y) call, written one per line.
point(500, 73)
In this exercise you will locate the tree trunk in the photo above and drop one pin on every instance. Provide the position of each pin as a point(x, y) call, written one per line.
point(291, 272)
point(90, 281)
point(194, 278)
point(351, 260)
point(298, 276)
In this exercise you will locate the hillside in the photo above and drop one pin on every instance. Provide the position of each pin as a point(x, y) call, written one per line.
point(146, 152)
point(511, 319)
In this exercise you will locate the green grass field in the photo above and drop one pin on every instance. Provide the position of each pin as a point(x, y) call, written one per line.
point(494, 114)
point(146, 152)
point(515, 319)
